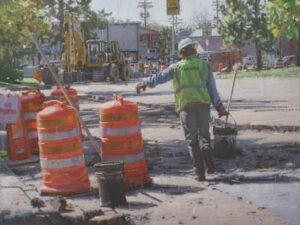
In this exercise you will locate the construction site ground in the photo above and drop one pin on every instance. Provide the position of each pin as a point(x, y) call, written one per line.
point(260, 186)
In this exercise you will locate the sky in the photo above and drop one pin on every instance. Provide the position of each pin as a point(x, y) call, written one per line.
point(127, 9)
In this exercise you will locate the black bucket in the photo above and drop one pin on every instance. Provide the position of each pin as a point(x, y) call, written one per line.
point(225, 141)
point(109, 176)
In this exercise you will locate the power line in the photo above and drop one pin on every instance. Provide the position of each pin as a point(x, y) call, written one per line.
point(175, 20)
point(145, 14)
point(216, 4)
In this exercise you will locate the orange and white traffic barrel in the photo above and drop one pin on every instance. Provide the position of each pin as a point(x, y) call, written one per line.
point(31, 102)
point(61, 152)
point(122, 140)
point(17, 142)
point(58, 94)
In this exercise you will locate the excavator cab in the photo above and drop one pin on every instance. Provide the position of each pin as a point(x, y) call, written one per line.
point(96, 53)
point(116, 56)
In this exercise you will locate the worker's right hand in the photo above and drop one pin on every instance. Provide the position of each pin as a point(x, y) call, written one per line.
point(222, 111)
point(140, 86)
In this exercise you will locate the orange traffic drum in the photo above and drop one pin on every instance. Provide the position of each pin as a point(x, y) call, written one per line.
point(122, 140)
point(58, 94)
point(61, 152)
point(32, 102)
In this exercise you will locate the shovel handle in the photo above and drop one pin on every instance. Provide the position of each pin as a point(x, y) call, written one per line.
point(230, 97)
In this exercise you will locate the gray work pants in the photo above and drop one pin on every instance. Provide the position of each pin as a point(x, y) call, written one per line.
point(195, 123)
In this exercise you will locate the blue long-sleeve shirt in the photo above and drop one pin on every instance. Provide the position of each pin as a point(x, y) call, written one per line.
point(167, 75)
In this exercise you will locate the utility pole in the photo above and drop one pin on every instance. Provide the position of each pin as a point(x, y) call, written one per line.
point(216, 4)
point(173, 35)
point(174, 28)
point(145, 5)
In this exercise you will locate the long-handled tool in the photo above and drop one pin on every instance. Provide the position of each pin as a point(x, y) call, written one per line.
point(54, 75)
point(230, 97)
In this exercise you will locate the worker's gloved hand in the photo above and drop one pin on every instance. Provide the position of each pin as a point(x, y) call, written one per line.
point(222, 111)
point(140, 86)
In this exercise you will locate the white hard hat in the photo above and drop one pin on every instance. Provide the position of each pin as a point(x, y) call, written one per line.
point(185, 42)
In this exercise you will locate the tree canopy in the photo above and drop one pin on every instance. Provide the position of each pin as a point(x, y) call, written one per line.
point(163, 43)
point(242, 21)
point(18, 18)
point(234, 25)
point(284, 20)
point(44, 18)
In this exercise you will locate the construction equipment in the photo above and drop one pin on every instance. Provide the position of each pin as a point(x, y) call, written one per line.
point(92, 57)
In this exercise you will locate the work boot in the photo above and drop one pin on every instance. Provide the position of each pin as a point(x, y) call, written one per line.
point(200, 173)
point(208, 161)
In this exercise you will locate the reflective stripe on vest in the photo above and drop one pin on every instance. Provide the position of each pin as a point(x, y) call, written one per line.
point(61, 163)
point(29, 116)
point(181, 87)
point(199, 86)
point(189, 82)
point(125, 159)
point(120, 131)
point(32, 134)
point(58, 135)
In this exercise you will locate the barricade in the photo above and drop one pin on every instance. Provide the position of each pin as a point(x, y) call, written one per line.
point(58, 95)
point(31, 102)
point(61, 152)
point(122, 140)
point(17, 142)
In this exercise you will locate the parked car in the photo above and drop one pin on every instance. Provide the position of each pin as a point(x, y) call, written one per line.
point(289, 60)
point(152, 54)
point(28, 70)
point(249, 62)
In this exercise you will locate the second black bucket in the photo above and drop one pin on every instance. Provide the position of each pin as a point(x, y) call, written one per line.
point(109, 176)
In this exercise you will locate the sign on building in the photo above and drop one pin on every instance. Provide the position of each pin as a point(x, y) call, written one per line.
point(173, 7)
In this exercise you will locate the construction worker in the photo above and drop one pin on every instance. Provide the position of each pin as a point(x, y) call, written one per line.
point(195, 90)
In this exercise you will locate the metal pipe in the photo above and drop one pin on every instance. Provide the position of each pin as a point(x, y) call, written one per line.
point(55, 77)
point(230, 97)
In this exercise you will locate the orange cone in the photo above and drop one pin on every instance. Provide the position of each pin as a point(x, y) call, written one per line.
point(61, 152)
point(122, 140)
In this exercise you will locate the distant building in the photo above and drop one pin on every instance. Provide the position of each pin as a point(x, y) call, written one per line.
point(181, 35)
point(134, 40)
point(288, 47)
point(214, 42)
point(209, 42)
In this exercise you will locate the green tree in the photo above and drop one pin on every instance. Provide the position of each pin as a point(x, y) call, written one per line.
point(90, 20)
point(163, 43)
point(55, 12)
point(284, 20)
point(260, 34)
point(18, 20)
point(242, 21)
point(234, 25)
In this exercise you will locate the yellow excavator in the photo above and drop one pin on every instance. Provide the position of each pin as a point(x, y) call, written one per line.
point(92, 57)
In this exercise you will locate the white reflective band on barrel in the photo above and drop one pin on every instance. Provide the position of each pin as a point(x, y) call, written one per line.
point(58, 135)
point(125, 159)
point(29, 116)
point(32, 134)
point(121, 131)
point(61, 163)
